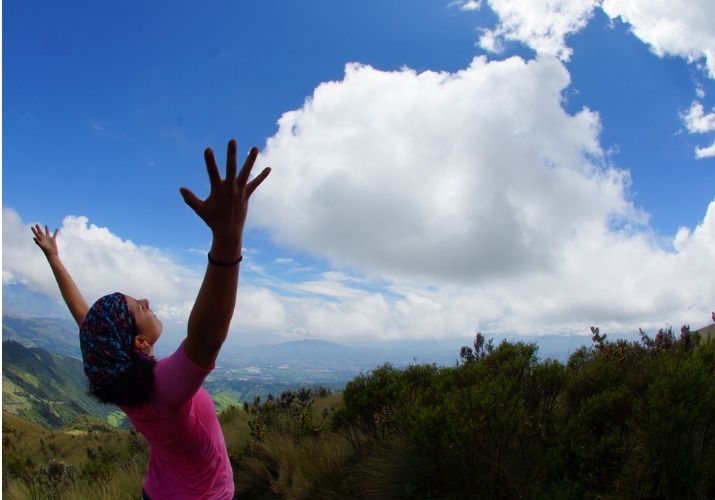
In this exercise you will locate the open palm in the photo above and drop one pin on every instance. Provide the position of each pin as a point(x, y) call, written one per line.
point(47, 242)
point(225, 209)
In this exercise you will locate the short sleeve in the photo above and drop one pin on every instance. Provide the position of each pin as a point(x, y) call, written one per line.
point(177, 378)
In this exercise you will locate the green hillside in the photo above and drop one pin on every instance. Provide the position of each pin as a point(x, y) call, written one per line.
point(48, 389)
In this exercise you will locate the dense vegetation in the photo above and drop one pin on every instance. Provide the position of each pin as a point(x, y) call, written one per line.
point(86, 459)
point(619, 420)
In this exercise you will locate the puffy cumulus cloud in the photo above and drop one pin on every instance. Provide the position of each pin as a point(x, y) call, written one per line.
point(468, 4)
point(681, 28)
point(625, 279)
point(101, 263)
point(340, 310)
point(542, 25)
point(447, 177)
point(480, 200)
point(619, 281)
point(698, 121)
point(259, 310)
point(706, 152)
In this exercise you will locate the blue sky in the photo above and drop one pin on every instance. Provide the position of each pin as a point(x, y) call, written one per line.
point(540, 188)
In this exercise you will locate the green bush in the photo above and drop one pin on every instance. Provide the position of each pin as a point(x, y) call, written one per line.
point(619, 420)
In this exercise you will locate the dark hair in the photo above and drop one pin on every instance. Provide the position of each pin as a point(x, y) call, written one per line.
point(134, 386)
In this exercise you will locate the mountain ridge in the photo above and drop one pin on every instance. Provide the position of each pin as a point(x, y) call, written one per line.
point(46, 388)
point(52, 334)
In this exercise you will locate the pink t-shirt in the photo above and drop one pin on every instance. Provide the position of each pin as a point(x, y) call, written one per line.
point(188, 457)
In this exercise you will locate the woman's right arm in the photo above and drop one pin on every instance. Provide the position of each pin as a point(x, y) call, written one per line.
point(70, 293)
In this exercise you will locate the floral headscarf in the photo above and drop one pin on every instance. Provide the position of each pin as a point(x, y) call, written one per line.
point(106, 338)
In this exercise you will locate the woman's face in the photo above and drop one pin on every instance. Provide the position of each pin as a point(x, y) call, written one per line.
point(147, 324)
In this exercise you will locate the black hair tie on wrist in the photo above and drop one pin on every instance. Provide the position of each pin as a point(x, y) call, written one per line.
point(224, 264)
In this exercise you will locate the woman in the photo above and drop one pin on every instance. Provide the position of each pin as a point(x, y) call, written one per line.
point(164, 399)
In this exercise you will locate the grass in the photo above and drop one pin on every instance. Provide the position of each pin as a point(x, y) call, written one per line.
point(297, 457)
point(126, 483)
point(290, 462)
point(21, 437)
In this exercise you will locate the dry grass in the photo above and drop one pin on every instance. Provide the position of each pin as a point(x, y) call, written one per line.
point(296, 464)
point(291, 462)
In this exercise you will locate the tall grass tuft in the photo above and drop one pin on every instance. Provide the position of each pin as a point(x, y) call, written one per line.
point(292, 453)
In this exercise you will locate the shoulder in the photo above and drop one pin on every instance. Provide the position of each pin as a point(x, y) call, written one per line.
point(177, 379)
point(180, 360)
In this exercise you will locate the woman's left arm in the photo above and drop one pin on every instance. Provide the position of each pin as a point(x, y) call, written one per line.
point(73, 298)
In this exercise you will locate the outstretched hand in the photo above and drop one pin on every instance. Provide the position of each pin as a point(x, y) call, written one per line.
point(47, 243)
point(225, 209)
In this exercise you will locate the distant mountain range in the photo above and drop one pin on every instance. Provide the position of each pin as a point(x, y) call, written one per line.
point(321, 353)
point(59, 336)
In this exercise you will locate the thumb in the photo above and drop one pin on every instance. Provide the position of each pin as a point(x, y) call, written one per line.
point(190, 198)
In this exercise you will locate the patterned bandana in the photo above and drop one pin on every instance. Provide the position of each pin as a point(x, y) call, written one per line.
point(106, 338)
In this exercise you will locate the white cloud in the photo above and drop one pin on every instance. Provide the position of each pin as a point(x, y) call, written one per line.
point(542, 25)
point(8, 278)
point(328, 288)
point(613, 280)
point(482, 202)
point(608, 278)
point(100, 263)
point(681, 28)
point(707, 152)
point(697, 121)
point(450, 177)
point(259, 310)
point(468, 4)
point(491, 41)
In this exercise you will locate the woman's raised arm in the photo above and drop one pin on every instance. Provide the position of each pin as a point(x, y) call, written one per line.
point(73, 298)
point(224, 212)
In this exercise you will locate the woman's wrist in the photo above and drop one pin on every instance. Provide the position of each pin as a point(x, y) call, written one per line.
point(219, 263)
point(53, 258)
point(225, 251)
